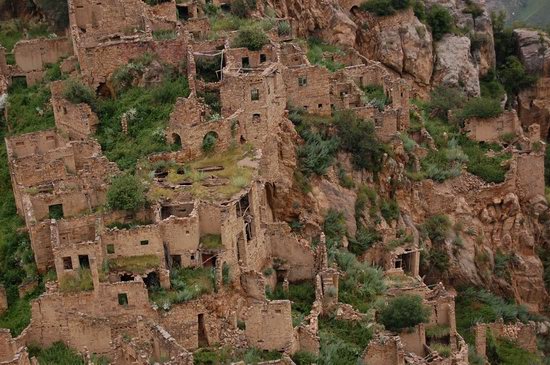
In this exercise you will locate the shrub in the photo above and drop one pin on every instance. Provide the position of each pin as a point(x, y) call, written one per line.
point(443, 99)
point(76, 92)
point(514, 77)
point(334, 227)
point(57, 354)
point(126, 193)
point(251, 37)
point(384, 7)
point(209, 142)
point(316, 154)
point(284, 28)
point(74, 283)
point(473, 8)
point(364, 239)
point(437, 228)
point(359, 139)
point(440, 21)
point(480, 108)
point(405, 311)
point(304, 358)
point(389, 210)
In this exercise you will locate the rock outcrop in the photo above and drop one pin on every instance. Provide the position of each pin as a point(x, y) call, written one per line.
point(324, 18)
point(534, 51)
point(455, 66)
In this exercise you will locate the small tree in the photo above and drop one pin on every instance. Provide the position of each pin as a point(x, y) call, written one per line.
point(126, 193)
point(252, 37)
point(402, 312)
point(440, 21)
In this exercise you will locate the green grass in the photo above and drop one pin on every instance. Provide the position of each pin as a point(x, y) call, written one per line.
point(149, 110)
point(225, 355)
point(187, 284)
point(342, 342)
point(135, 264)
point(211, 241)
point(77, 282)
point(319, 53)
point(11, 31)
point(57, 354)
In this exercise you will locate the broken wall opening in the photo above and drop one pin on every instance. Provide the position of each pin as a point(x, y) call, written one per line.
point(209, 67)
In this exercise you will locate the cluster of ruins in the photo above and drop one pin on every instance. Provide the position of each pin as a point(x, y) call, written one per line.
point(60, 180)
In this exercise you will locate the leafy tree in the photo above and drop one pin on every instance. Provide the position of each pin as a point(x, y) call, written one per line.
point(126, 193)
point(405, 311)
point(252, 37)
point(440, 21)
point(514, 77)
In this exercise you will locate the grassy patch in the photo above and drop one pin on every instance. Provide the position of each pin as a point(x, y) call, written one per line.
point(76, 282)
point(57, 354)
point(135, 264)
point(147, 111)
point(211, 241)
point(321, 53)
point(187, 284)
point(342, 342)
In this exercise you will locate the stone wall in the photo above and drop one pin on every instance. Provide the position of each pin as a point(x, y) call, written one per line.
point(77, 121)
point(493, 129)
point(276, 316)
point(384, 350)
point(31, 56)
point(308, 87)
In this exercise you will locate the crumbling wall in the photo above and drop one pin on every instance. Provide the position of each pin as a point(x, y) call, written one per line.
point(77, 121)
point(276, 316)
point(414, 340)
point(297, 257)
point(31, 56)
point(384, 350)
point(493, 129)
point(530, 174)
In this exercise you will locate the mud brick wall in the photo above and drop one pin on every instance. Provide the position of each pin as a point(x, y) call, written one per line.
point(276, 316)
point(314, 95)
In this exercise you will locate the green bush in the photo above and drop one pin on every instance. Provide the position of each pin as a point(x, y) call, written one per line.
point(436, 228)
point(440, 21)
point(209, 142)
point(473, 8)
point(358, 138)
point(443, 99)
point(304, 358)
point(384, 7)
point(284, 28)
point(389, 210)
point(364, 239)
point(126, 193)
point(514, 77)
point(251, 37)
point(342, 342)
point(334, 227)
point(480, 108)
point(76, 92)
point(405, 311)
point(57, 354)
point(317, 54)
point(317, 154)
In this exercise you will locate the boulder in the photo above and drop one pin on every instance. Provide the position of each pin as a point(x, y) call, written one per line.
point(454, 65)
point(534, 50)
